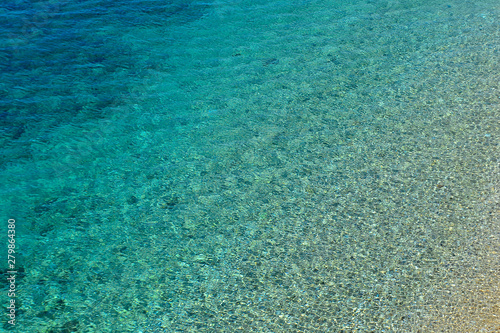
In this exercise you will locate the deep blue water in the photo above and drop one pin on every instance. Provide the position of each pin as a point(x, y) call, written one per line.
point(65, 62)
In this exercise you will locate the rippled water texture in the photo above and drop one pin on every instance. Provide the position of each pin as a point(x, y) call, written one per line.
point(253, 166)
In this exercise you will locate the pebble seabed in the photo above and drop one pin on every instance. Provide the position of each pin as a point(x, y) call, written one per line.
point(342, 184)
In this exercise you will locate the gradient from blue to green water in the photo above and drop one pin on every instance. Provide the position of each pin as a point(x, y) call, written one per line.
point(316, 166)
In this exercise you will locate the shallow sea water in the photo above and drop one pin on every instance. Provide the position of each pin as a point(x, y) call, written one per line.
point(252, 166)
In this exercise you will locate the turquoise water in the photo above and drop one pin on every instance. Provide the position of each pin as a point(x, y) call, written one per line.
point(251, 166)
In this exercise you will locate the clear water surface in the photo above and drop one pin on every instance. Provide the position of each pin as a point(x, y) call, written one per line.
point(251, 166)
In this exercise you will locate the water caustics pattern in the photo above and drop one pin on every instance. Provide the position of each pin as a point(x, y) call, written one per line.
point(251, 166)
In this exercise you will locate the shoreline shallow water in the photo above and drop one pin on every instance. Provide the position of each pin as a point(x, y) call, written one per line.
point(262, 167)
